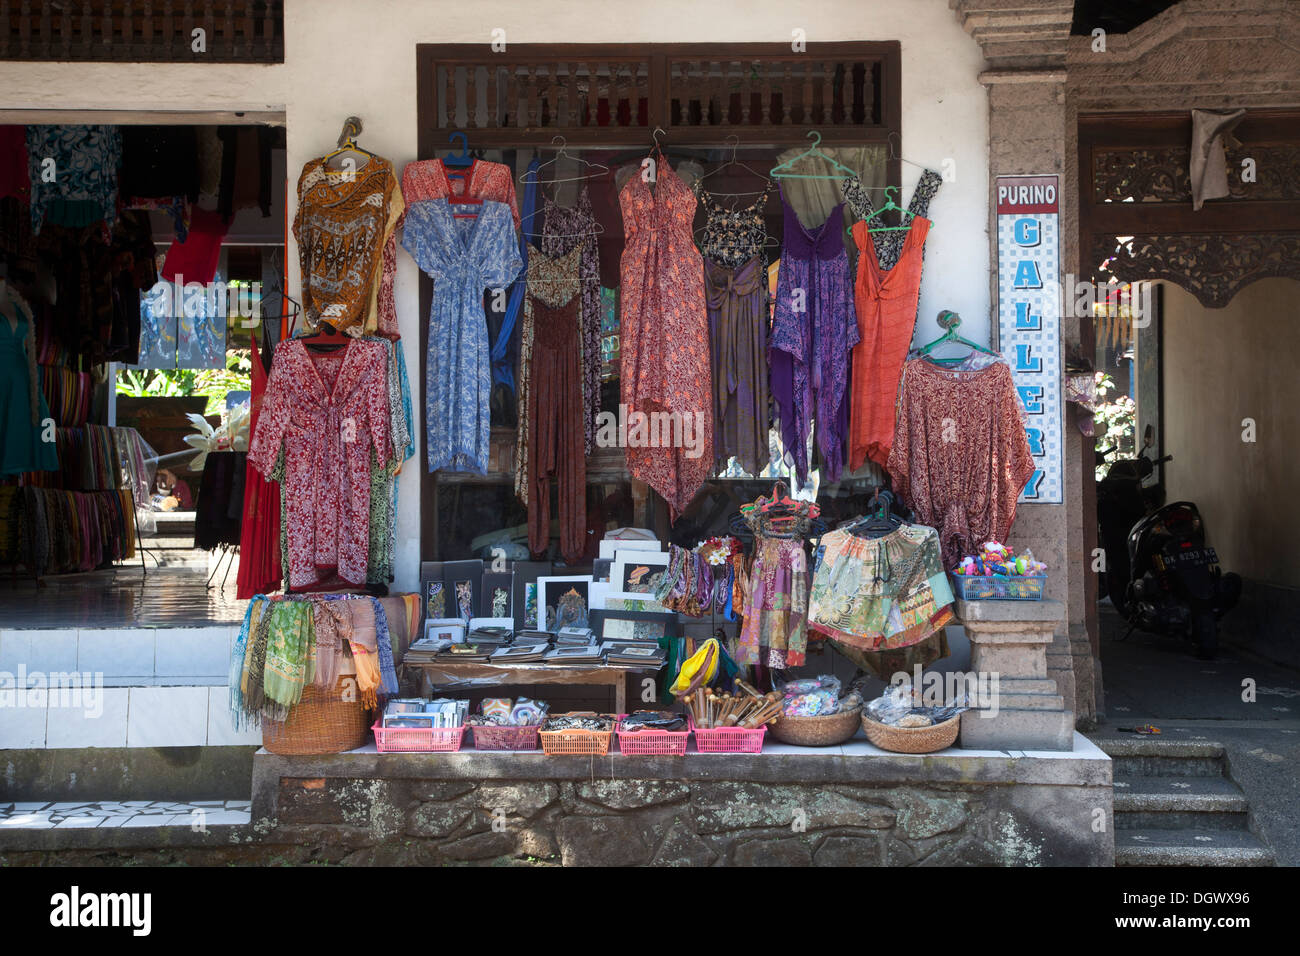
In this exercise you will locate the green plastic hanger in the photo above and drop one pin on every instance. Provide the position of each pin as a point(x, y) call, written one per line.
point(949, 321)
point(779, 170)
point(891, 206)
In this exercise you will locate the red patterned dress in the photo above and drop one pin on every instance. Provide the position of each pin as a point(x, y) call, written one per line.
point(664, 334)
point(329, 413)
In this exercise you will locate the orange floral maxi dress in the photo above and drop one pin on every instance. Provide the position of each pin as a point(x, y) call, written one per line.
point(664, 340)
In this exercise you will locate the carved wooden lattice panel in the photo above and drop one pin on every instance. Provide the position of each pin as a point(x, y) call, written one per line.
point(1211, 267)
point(1135, 209)
point(143, 31)
point(1162, 174)
point(597, 94)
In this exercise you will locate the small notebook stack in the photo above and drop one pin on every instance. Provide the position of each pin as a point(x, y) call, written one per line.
point(466, 652)
point(574, 637)
point(574, 654)
point(425, 650)
point(636, 654)
point(490, 638)
point(520, 654)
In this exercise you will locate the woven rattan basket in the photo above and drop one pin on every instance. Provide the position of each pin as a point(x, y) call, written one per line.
point(322, 722)
point(825, 731)
point(912, 740)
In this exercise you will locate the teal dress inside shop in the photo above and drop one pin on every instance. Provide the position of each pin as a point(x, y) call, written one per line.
point(21, 448)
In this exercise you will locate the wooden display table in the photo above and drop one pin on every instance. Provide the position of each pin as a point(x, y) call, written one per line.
point(438, 673)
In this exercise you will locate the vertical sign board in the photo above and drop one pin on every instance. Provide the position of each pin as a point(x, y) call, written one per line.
point(1029, 318)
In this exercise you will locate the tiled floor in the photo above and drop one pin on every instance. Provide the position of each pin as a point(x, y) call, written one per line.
point(196, 814)
point(120, 597)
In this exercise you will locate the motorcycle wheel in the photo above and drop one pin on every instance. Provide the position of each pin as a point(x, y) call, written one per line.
point(1205, 634)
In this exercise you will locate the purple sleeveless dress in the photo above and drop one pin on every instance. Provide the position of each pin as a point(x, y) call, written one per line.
point(814, 330)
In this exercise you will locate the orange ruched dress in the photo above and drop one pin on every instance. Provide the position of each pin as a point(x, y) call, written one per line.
point(885, 300)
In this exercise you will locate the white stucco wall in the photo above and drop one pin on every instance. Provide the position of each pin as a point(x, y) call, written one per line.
point(945, 111)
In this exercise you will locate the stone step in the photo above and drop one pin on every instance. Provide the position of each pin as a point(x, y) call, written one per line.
point(1031, 701)
point(1176, 803)
point(1187, 847)
point(1153, 757)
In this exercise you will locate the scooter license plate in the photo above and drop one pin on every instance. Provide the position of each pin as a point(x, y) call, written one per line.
point(1194, 558)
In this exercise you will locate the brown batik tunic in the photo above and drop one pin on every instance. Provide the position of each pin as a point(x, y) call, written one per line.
point(555, 419)
point(960, 456)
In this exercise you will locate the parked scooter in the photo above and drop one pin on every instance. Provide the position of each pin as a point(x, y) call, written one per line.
point(1159, 572)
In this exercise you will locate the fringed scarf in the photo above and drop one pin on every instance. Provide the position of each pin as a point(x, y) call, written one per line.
point(384, 639)
point(237, 676)
point(287, 650)
point(365, 651)
point(329, 643)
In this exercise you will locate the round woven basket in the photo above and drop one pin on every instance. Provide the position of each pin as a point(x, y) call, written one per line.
point(825, 731)
point(912, 740)
point(322, 722)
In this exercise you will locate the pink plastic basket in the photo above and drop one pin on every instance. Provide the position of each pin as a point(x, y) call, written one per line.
point(417, 740)
point(729, 740)
point(664, 742)
point(506, 738)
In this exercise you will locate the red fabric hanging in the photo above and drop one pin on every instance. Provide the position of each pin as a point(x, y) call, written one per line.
point(259, 534)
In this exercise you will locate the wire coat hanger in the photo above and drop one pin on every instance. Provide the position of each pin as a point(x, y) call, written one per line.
point(699, 183)
point(562, 153)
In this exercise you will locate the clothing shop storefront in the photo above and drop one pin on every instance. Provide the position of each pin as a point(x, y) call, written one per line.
point(706, 378)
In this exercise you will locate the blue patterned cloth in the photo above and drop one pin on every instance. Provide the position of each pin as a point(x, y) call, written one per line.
point(465, 257)
point(83, 188)
point(501, 365)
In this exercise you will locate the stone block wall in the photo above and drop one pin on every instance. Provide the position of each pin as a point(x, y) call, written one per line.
point(818, 810)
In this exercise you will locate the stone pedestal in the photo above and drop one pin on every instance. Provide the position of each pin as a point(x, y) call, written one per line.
point(1011, 639)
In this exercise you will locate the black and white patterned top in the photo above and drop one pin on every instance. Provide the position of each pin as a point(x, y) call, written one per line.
point(733, 237)
point(889, 245)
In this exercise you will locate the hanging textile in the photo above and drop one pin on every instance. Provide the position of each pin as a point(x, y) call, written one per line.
point(195, 258)
point(574, 227)
point(889, 245)
point(877, 594)
point(464, 257)
point(329, 413)
point(23, 411)
point(813, 332)
point(966, 488)
point(345, 227)
point(245, 163)
point(885, 302)
point(259, 531)
point(555, 409)
point(552, 281)
point(502, 366)
point(735, 286)
point(83, 190)
point(664, 336)
point(772, 594)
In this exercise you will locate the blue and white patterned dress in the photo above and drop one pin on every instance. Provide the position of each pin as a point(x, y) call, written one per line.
point(84, 184)
point(465, 258)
